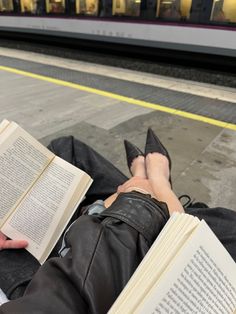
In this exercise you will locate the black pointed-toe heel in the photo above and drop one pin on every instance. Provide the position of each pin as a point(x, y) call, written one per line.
point(154, 145)
point(132, 152)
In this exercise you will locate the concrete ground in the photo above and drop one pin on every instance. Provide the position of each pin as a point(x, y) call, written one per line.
point(203, 154)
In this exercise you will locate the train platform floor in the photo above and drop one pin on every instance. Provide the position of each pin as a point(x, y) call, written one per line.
point(102, 106)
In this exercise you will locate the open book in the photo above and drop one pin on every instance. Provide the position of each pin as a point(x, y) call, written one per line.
point(39, 191)
point(187, 270)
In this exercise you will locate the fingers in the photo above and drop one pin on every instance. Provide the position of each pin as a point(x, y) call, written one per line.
point(11, 244)
point(130, 188)
point(2, 237)
point(136, 184)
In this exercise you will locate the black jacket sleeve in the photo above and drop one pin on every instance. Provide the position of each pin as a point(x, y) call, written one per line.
point(104, 252)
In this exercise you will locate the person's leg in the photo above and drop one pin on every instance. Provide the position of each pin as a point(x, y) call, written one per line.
point(106, 176)
point(18, 266)
point(158, 173)
point(222, 221)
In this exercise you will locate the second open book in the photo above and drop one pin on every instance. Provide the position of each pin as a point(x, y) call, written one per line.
point(39, 191)
point(187, 270)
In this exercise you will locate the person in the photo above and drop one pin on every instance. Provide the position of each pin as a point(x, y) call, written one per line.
point(171, 12)
point(106, 243)
point(219, 15)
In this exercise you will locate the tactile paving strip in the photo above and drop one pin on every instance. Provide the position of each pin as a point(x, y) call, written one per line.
point(211, 108)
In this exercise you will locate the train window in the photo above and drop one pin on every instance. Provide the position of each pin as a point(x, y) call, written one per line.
point(126, 7)
point(105, 8)
point(86, 7)
point(174, 9)
point(6, 5)
point(185, 9)
point(28, 6)
point(55, 6)
point(223, 11)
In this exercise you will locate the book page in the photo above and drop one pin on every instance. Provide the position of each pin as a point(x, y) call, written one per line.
point(38, 215)
point(22, 160)
point(201, 279)
point(165, 247)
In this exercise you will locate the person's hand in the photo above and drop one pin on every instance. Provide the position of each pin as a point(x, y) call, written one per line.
point(11, 244)
point(137, 184)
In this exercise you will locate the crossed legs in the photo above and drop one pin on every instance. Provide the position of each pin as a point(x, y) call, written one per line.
point(151, 175)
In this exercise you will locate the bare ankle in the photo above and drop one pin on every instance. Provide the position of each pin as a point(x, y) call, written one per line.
point(138, 167)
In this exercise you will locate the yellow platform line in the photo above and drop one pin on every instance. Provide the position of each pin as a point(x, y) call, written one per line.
point(129, 100)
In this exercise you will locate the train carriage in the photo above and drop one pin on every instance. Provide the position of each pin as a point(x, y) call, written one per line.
point(202, 26)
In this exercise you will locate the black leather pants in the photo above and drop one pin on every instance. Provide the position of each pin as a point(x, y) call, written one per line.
point(18, 266)
point(107, 177)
